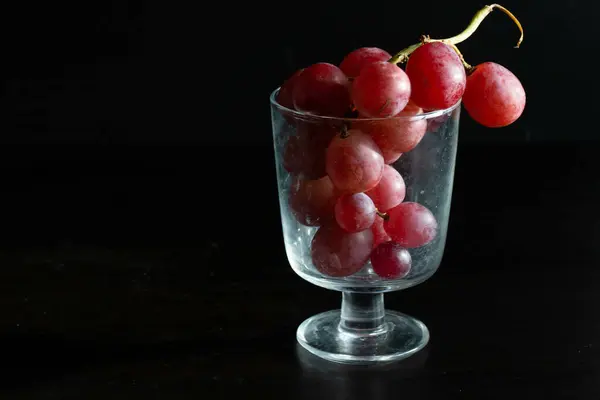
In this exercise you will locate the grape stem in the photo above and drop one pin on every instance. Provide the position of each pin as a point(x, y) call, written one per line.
point(477, 19)
point(344, 132)
point(382, 215)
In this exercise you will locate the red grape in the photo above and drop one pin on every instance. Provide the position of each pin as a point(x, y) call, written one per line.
point(312, 201)
point(356, 60)
point(390, 157)
point(379, 233)
point(338, 253)
point(284, 96)
point(354, 162)
point(390, 191)
point(304, 153)
point(322, 89)
point(397, 134)
point(494, 96)
point(381, 90)
point(411, 225)
point(355, 212)
point(437, 76)
point(293, 155)
point(390, 260)
point(411, 109)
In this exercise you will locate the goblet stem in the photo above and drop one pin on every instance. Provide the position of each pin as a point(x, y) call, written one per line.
point(362, 313)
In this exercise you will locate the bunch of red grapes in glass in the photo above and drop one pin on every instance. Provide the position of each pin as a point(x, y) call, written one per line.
point(343, 182)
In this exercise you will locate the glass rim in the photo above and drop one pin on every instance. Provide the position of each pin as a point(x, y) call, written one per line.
point(305, 115)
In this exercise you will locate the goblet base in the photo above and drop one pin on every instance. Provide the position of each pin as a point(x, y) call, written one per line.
point(398, 337)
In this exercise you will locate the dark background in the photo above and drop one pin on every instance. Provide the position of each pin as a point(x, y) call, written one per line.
point(147, 73)
point(138, 193)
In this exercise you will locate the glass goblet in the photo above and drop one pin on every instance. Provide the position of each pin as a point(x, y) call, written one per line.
point(402, 247)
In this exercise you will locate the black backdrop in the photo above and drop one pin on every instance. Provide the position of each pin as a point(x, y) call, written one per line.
point(137, 73)
point(134, 121)
point(138, 190)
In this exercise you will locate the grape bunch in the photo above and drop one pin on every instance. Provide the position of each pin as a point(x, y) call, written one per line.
point(343, 182)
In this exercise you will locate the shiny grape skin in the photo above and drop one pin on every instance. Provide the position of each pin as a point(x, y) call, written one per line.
point(494, 97)
point(322, 89)
point(391, 261)
point(312, 202)
point(411, 225)
point(397, 134)
point(338, 253)
point(354, 163)
point(355, 212)
point(356, 60)
point(381, 90)
point(390, 191)
point(437, 76)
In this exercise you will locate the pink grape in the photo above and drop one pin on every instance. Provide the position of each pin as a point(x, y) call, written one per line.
point(391, 261)
point(379, 233)
point(322, 89)
point(355, 212)
point(390, 191)
point(437, 76)
point(354, 162)
point(338, 253)
point(494, 97)
point(312, 202)
point(381, 90)
point(304, 153)
point(390, 157)
point(397, 134)
point(411, 225)
point(356, 60)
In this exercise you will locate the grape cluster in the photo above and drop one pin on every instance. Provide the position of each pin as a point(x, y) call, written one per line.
point(342, 179)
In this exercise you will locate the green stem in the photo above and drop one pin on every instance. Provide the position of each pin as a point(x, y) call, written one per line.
point(477, 19)
point(467, 66)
